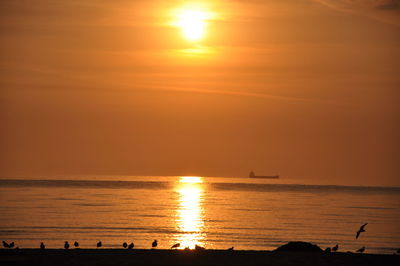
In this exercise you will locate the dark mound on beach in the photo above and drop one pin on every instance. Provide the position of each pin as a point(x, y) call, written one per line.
point(299, 247)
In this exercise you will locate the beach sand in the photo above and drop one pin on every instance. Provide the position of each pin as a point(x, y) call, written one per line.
point(184, 257)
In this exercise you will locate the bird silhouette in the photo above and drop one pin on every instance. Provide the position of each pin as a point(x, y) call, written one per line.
point(131, 245)
point(42, 246)
point(362, 229)
point(66, 245)
point(99, 244)
point(230, 248)
point(76, 244)
point(11, 245)
point(175, 245)
point(361, 250)
point(5, 244)
point(125, 245)
point(327, 250)
point(154, 244)
point(335, 248)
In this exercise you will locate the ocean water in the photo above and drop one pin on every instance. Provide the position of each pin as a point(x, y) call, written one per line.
point(217, 213)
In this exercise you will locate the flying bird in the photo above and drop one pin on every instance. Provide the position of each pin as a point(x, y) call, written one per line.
point(361, 250)
point(11, 245)
point(335, 248)
point(154, 244)
point(362, 229)
point(66, 245)
point(5, 244)
point(76, 244)
point(131, 245)
point(176, 245)
point(99, 244)
point(125, 245)
point(42, 246)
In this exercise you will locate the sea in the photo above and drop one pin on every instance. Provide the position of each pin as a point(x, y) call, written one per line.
point(212, 212)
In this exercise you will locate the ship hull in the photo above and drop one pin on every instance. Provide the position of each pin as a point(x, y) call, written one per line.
point(266, 177)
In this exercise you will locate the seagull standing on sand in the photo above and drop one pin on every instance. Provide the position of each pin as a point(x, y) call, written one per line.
point(335, 248)
point(76, 244)
point(131, 245)
point(99, 244)
point(66, 245)
point(361, 230)
point(42, 246)
point(361, 250)
point(5, 244)
point(125, 245)
point(176, 245)
point(154, 244)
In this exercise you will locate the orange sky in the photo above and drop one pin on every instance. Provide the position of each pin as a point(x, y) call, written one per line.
point(307, 89)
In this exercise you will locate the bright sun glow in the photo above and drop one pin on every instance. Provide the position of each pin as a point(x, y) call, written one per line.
point(192, 23)
point(192, 20)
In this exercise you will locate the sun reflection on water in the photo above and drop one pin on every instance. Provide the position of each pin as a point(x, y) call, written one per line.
point(189, 220)
point(191, 179)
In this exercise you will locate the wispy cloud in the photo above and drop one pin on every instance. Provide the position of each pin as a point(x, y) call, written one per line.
point(389, 5)
point(249, 94)
point(387, 11)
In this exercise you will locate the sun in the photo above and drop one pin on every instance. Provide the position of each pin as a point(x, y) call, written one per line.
point(193, 22)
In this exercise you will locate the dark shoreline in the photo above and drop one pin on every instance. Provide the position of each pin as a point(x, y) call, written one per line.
point(187, 257)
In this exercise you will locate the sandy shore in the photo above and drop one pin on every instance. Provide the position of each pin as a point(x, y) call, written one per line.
point(181, 257)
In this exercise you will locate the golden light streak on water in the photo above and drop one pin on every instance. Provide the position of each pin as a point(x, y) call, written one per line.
point(190, 212)
point(190, 179)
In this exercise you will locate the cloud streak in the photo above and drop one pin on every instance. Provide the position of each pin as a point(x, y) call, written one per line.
point(248, 94)
point(390, 5)
point(387, 11)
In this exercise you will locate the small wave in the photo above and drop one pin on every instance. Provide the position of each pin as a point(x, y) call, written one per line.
point(97, 228)
point(86, 184)
point(302, 188)
point(152, 215)
point(93, 205)
point(369, 208)
point(252, 210)
point(63, 198)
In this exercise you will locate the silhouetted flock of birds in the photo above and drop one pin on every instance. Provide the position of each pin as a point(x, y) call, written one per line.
point(154, 244)
point(99, 244)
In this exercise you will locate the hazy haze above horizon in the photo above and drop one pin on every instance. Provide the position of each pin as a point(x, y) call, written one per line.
point(301, 88)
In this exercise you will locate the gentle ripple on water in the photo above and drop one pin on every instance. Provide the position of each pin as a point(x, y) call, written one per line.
point(212, 212)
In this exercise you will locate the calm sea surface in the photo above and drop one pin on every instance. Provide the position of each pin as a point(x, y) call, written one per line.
point(251, 214)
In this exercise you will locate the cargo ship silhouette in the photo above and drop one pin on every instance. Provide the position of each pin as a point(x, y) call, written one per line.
point(253, 175)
